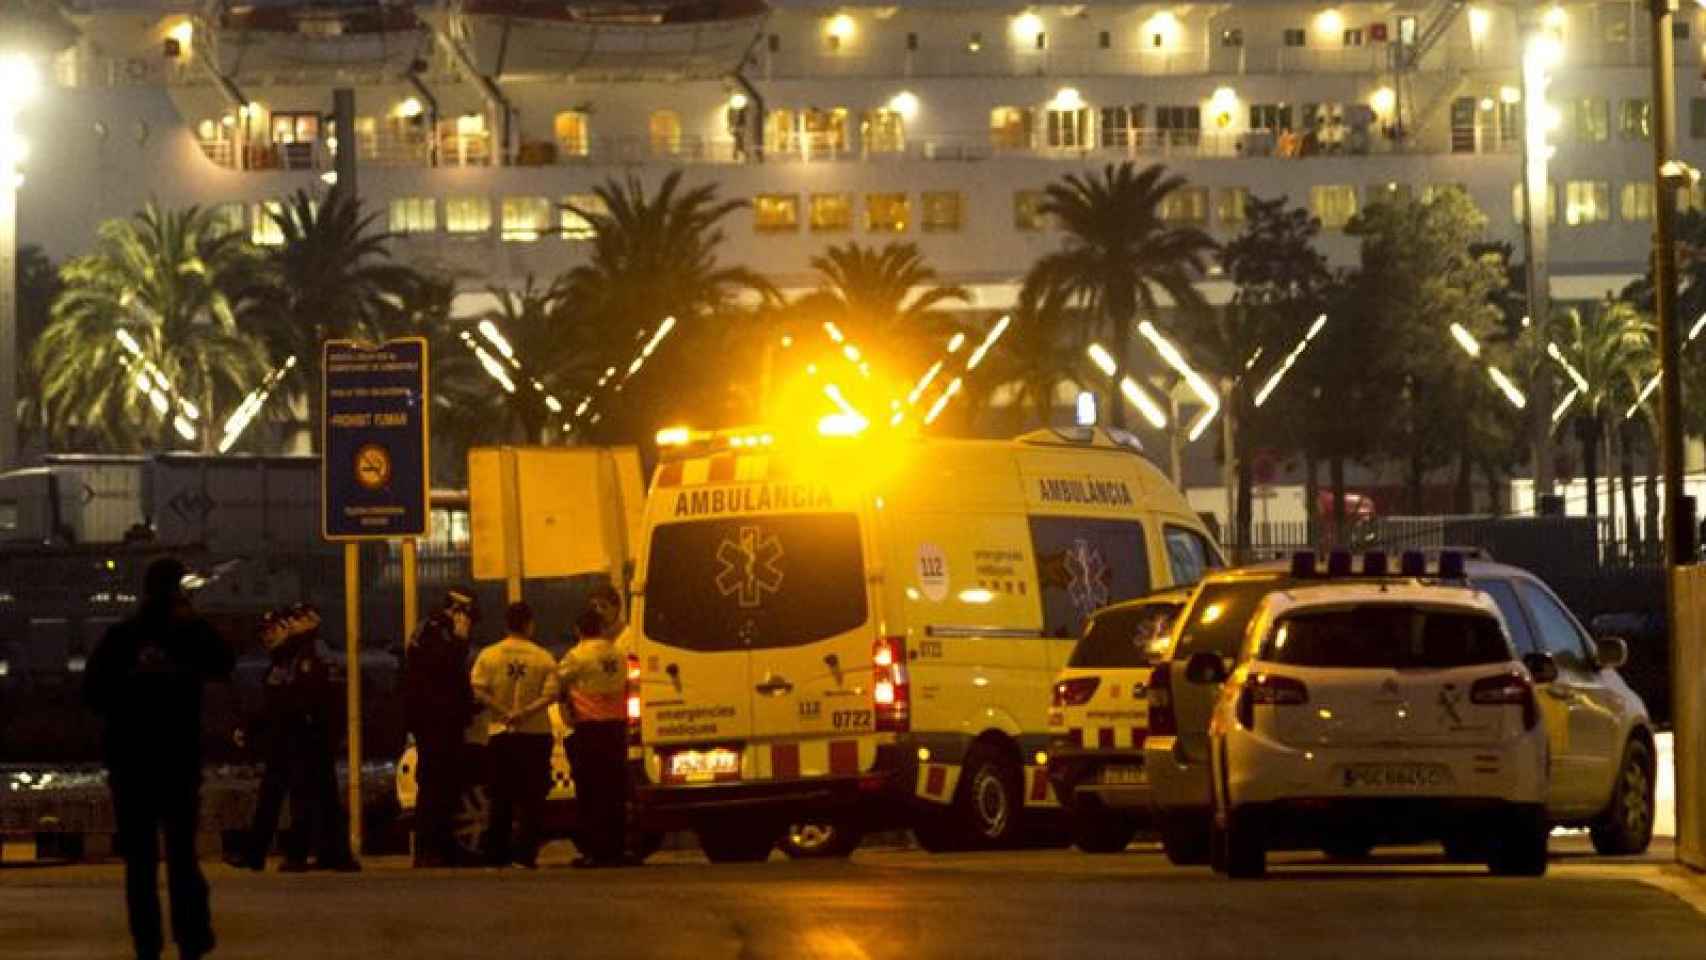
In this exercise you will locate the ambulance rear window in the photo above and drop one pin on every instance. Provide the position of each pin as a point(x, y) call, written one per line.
point(749, 583)
point(1126, 637)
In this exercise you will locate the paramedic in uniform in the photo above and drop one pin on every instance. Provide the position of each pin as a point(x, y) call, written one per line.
point(438, 705)
point(516, 681)
point(594, 676)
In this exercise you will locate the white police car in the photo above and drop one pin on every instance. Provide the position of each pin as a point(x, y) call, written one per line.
point(1366, 713)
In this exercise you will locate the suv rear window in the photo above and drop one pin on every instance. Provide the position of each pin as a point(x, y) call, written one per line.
point(755, 582)
point(1219, 614)
point(1129, 637)
point(1386, 635)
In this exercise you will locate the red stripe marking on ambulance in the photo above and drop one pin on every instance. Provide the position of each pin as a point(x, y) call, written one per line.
point(936, 781)
point(1076, 735)
point(722, 469)
point(1039, 785)
point(843, 756)
point(785, 761)
point(1138, 735)
point(1105, 737)
point(670, 474)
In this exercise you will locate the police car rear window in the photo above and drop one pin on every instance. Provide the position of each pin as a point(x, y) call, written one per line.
point(1389, 636)
point(1128, 637)
point(755, 582)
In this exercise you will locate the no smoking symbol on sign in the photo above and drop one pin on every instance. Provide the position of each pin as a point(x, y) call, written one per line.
point(372, 467)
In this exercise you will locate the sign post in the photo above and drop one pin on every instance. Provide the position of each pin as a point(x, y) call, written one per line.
point(373, 483)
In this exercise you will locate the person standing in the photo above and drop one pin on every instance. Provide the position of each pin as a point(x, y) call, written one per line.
point(316, 807)
point(516, 681)
point(145, 680)
point(594, 677)
point(438, 705)
point(270, 735)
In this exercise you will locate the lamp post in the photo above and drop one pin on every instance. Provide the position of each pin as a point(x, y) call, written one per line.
point(1541, 52)
point(19, 80)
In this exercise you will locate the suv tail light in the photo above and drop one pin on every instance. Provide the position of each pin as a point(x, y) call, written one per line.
point(1265, 688)
point(891, 693)
point(1512, 688)
point(1162, 721)
point(1075, 692)
point(633, 691)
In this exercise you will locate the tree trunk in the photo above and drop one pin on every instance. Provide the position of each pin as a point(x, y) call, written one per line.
point(1626, 466)
point(1116, 402)
point(1241, 444)
point(1495, 490)
point(1650, 491)
point(1413, 482)
point(1336, 474)
point(1607, 448)
point(1463, 494)
point(207, 426)
point(1590, 464)
point(1311, 498)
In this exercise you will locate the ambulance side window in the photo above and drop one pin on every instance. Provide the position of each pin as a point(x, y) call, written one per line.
point(1189, 555)
point(1083, 565)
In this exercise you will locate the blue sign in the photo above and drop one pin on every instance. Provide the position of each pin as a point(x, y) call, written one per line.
point(373, 466)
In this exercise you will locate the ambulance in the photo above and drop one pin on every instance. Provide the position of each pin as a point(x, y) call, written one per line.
point(840, 634)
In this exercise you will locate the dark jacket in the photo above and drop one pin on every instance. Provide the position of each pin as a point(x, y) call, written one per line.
point(438, 699)
point(145, 680)
point(301, 701)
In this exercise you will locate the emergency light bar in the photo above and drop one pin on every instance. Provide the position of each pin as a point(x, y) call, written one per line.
point(1412, 564)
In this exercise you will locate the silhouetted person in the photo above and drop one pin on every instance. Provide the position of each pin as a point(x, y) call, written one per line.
point(145, 680)
point(438, 704)
point(270, 735)
point(594, 677)
point(516, 680)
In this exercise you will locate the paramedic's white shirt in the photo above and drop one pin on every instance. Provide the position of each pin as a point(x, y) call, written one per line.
point(595, 675)
point(515, 673)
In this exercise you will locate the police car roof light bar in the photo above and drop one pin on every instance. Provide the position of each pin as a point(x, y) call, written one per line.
point(1413, 563)
point(1339, 563)
point(1303, 564)
point(1452, 566)
point(1374, 563)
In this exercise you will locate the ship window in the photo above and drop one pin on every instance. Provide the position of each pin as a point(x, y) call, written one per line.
point(943, 211)
point(887, 212)
point(265, 231)
point(1010, 128)
point(1593, 119)
point(1028, 212)
point(912, 41)
point(414, 215)
point(1104, 40)
point(774, 43)
point(1334, 204)
point(1294, 37)
point(665, 128)
point(884, 131)
point(1068, 129)
point(468, 215)
point(831, 212)
point(1185, 206)
point(570, 128)
point(1231, 205)
point(1389, 192)
point(525, 218)
point(1122, 126)
point(367, 138)
point(1587, 201)
point(1637, 202)
point(227, 217)
point(577, 212)
point(776, 213)
point(1551, 203)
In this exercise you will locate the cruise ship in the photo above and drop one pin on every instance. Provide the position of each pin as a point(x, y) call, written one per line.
point(930, 121)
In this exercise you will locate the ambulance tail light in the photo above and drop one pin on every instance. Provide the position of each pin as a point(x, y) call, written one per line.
point(1075, 692)
point(1163, 722)
point(891, 693)
point(633, 700)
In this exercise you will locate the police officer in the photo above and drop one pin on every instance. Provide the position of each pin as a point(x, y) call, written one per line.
point(270, 736)
point(594, 677)
point(316, 808)
point(438, 704)
point(145, 680)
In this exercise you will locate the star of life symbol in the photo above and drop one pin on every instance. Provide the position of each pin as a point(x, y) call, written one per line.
point(515, 670)
point(1088, 585)
point(750, 566)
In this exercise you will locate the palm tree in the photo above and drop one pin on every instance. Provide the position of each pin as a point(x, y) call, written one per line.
point(331, 277)
point(144, 341)
point(1033, 359)
point(885, 299)
point(654, 257)
point(1610, 348)
point(552, 363)
point(1119, 251)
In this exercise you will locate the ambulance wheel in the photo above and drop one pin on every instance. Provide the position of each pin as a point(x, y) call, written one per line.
point(1185, 839)
point(1100, 831)
point(473, 816)
point(990, 801)
point(736, 841)
point(822, 840)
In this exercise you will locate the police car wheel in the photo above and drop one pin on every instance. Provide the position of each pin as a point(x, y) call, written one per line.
point(1101, 831)
point(1627, 827)
point(990, 798)
point(1185, 839)
point(734, 841)
point(821, 840)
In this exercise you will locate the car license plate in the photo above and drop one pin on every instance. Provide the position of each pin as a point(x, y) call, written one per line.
point(1126, 775)
point(696, 766)
point(1394, 776)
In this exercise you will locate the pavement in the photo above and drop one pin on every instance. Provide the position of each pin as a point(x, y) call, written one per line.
point(905, 904)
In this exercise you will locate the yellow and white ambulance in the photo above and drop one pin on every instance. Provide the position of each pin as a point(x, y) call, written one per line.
point(863, 632)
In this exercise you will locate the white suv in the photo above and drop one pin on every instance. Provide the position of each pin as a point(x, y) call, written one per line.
point(1368, 713)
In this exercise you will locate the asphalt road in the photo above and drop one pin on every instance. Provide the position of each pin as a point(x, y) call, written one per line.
point(898, 904)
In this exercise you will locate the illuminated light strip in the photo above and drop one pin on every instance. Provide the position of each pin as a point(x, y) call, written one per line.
point(989, 341)
point(1575, 375)
point(942, 401)
point(1146, 405)
point(1104, 360)
point(836, 397)
point(1204, 391)
point(245, 414)
point(834, 331)
point(494, 368)
point(955, 342)
point(1653, 384)
point(924, 383)
point(1285, 366)
point(1564, 405)
point(489, 330)
point(634, 367)
point(1466, 340)
point(164, 386)
point(1506, 387)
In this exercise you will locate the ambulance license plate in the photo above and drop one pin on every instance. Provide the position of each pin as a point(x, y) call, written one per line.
point(696, 766)
point(1123, 775)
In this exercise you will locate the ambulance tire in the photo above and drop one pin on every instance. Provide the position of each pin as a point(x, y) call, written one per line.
point(1101, 831)
point(823, 840)
point(990, 802)
point(736, 841)
point(1185, 839)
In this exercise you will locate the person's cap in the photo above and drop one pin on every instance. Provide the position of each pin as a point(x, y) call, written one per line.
point(462, 598)
point(164, 579)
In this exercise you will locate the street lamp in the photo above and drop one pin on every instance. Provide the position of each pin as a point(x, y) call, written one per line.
point(20, 81)
point(1542, 52)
